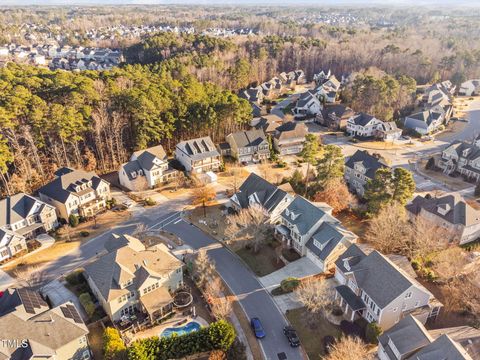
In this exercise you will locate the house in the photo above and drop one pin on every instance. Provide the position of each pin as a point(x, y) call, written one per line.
point(360, 168)
point(299, 77)
point(253, 95)
point(27, 216)
point(11, 244)
point(410, 340)
point(335, 116)
point(470, 88)
point(363, 125)
point(33, 330)
point(289, 138)
point(462, 157)
point(440, 95)
point(247, 146)
point(312, 231)
point(146, 169)
point(288, 79)
point(425, 122)
point(307, 106)
point(76, 192)
point(322, 76)
point(198, 155)
point(451, 212)
point(373, 287)
point(326, 94)
point(255, 190)
point(269, 124)
point(388, 131)
point(134, 279)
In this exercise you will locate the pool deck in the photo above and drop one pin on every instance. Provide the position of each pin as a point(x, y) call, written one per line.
point(171, 323)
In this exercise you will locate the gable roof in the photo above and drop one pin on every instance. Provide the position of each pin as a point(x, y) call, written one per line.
point(304, 214)
point(452, 208)
point(339, 110)
point(18, 207)
point(291, 130)
point(329, 236)
point(427, 116)
point(248, 138)
point(129, 259)
point(363, 119)
point(265, 194)
point(369, 162)
point(443, 348)
point(67, 178)
point(200, 148)
point(305, 98)
point(146, 157)
point(269, 123)
point(408, 335)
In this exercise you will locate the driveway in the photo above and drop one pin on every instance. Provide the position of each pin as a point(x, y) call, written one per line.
point(5, 280)
point(299, 269)
point(58, 294)
point(253, 298)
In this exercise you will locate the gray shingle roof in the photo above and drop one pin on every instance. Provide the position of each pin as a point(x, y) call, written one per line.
point(291, 130)
point(198, 149)
point(304, 214)
point(408, 336)
point(329, 236)
point(370, 162)
point(17, 207)
point(443, 348)
point(354, 301)
point(248, 138)
point(363, 119)
point(451, 208)
point(427, 116)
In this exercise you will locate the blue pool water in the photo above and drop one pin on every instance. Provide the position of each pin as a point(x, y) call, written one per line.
point(182, 330)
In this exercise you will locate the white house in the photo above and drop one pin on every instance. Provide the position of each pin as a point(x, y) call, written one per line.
point(425, 122)
point(146, 169)
point(470, 88)
point(307, 105)
point(363, 125)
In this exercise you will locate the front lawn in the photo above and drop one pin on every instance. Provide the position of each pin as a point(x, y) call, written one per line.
point(311, 333)
point(262, 263)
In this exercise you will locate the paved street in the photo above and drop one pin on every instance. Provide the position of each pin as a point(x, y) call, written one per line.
point(253, 297)
point(471, 128)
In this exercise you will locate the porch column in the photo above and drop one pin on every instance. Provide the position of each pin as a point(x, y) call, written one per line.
point(353, 315)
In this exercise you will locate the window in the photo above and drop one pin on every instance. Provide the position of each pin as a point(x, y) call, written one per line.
point(4, 253)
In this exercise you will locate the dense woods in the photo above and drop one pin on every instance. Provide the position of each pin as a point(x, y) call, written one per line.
point(52, 119)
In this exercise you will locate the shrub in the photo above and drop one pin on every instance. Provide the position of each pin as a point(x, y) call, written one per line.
point(73, 220)
point(430, 164)
point(150, 202)
point(75, 278)
point(221, 335)
point(289, 284)
point(84, 233)
point(113, 345)
point(87, 303)
point(372, 332)
point(281, 164)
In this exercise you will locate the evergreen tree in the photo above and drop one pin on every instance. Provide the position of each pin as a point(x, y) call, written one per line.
point(331, 164)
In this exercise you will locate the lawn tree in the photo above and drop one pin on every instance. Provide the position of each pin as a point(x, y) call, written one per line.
point(297, 182)
point(330, 165)
point(315, 295)
point(426, 238)
point(404, 185)
point(309, 153)
point(202, 195)
point(140, 231)
point(449, 263)
point(203, 269)
point(335, 193)
point(113, 345)
point(349, 348)
point(220, 303)
point(271, 148)
point(249, 226)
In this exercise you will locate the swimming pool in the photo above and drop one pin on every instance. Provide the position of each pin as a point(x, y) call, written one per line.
point(182, 330)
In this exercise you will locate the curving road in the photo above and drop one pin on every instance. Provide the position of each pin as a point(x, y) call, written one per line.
point(471, 129)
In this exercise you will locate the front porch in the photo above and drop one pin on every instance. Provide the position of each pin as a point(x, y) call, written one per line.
point(92, 208)
point(351, 304)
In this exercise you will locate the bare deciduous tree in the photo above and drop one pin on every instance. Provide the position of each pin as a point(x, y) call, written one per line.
point(349, 348)
point(315, 295)
point(335, 193)
point(449, 263)
point(203, 269)
point(249, 226)
point(29, 275)
point(202, 195)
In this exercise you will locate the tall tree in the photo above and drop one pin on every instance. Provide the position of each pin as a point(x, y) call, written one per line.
point(310, 151)
point(330, 165)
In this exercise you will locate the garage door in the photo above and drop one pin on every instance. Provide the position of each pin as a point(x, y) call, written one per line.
point(315, 259)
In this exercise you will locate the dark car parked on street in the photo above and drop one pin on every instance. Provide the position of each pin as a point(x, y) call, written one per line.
point(291, 335)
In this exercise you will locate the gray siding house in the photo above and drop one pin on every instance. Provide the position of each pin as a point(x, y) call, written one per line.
point(360, 168)
point(248, 146)
point(289, 138)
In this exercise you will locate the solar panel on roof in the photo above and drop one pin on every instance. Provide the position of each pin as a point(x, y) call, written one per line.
point(69, 311)
point(30, 300)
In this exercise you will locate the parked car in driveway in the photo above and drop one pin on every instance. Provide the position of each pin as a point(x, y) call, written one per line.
point(291, 335)
point(257, 328)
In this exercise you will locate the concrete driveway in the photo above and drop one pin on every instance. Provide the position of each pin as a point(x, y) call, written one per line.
point(5, 280)
point(58, 294)
point(299, 269)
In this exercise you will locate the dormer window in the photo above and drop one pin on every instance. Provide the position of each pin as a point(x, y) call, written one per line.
point(133, 174)
point(465, 152)
point(318, 244)
point(443, 209)
point(346, 264)
point(140, 172)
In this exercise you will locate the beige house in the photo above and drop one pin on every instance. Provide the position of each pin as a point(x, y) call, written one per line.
point(451, 212)
point(76, 192)
point(198, 155)
point(248, 146)
point(462, 157)
point(132, 279)
point(374, 287)
point(289, 138)
point(34, 331)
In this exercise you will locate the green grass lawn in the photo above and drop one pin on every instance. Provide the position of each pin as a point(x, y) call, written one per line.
point(311, 332)
point(263, 262)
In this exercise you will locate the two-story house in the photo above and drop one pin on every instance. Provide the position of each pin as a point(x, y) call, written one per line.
point(134, 279)
point(410, 340)
point(198, 155)
point(146, 169)
point(388, 131)
point(312, 231)
point(360, 168)
point(247, 146)
point(335, 116)
point(327, 90)
point(253, 95)
point(33, 330)
point(289, 138)
point(76, 192)
point(470, 88)
point(255, 190)
point(307, 106)
point(375, 288)
point(363, 125)
point(268, 123)
point(425, 122)
point(462, 157)
point(451, 212)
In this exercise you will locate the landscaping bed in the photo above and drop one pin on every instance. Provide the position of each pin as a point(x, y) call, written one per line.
point(290, 255)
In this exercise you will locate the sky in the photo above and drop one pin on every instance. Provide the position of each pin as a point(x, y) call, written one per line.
point(240, 2)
